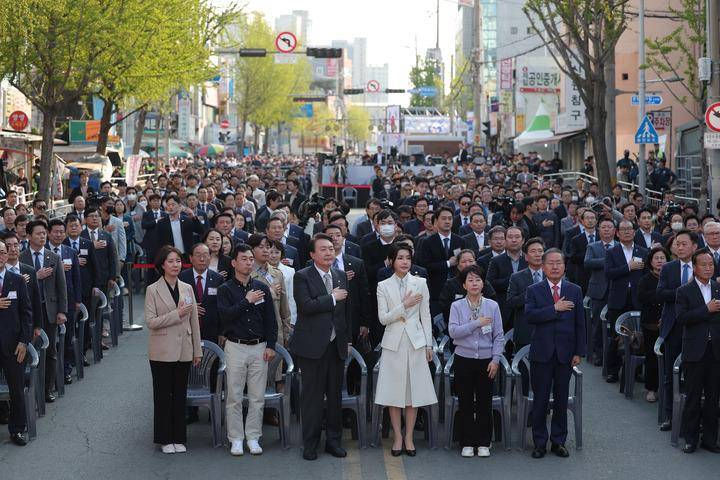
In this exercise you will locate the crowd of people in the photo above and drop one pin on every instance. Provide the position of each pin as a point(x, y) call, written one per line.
point(245, 257)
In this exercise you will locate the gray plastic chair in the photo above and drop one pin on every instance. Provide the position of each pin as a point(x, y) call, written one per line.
point(661, 378)
point(679, 398)
point(200, 392)
point(98, 303)
point(525, 402)
point(350, 196)
point(587, 306)
point(41, 346)
point(115, 296)
point(631, 362)
point(279, 401)
point(79, 340)
point(431, 411)
point(357, 403)
point(501, 400)
point(32, 360)
point(119, 305)
point(438, 322)
point(605, 339)
point(60, 364)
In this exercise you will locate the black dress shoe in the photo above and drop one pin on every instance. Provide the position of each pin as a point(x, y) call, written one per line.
point(18, 439)
point(105, 347)
point(49, 397)
point(710, 448)
point(309, 455)
point(666, 426)
point(689, 448)
point(559, 450)
point(611, 378)
point(336, 451)
point(68, 379)
point(597, 362)
point(538, 453)
point(85, 362)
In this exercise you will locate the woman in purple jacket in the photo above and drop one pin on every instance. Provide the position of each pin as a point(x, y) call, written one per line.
point(476, 329)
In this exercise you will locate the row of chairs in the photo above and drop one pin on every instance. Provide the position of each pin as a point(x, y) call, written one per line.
point(35, 361)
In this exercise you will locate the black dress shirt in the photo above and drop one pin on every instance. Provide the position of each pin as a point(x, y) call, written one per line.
point(242, 320)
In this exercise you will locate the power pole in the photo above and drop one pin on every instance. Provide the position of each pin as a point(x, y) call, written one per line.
point(642, 166)
point(610, 122)
point(452, 101)
point(477, 74)
point(713, 95)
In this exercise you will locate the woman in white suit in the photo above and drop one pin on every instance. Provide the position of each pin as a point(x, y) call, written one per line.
point(404, 381)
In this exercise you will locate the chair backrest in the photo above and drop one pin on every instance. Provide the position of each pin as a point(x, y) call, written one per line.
point(586, 302)
point(603, 313)
point(522, 356)
point(631, 321)
point(349, 192)
point(282, 355)
point(83, 311)
point(442, 345)
point(509, 335)
point(658, 344)
point(200, 375)
point(99, 299)
point(115, 292)
point(677, 364)
point(439, 323)
point(354, 356)
point(44, 340)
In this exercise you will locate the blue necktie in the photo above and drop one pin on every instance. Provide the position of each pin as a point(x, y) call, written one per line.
point(37, 267)
point(536, 277)
point(446, 243)
point(591, 239)
point(685, 274)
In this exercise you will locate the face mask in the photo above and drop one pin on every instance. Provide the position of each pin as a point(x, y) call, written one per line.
point(574, 198)
point(387, 230)
point(143, 203)
point(676, 226)
point(387, 186)
point(131, 197)
point(589, 200)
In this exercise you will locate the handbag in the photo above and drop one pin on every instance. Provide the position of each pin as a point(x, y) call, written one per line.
point(637, 340)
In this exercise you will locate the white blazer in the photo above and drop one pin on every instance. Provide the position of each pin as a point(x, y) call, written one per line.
point(391, 313)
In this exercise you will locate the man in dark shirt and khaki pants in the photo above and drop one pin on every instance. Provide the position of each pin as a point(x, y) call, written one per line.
point(249, 329)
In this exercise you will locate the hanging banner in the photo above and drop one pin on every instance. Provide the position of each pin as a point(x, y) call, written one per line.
point(506, 74)
point(539, 78)
point(574, 105)
point(132, 169)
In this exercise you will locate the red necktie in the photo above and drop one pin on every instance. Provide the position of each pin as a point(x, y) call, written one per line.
point(199, 289)
point(556, 293)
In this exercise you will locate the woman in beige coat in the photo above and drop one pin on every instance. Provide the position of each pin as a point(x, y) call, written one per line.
point(172, 318)
point(404, 380)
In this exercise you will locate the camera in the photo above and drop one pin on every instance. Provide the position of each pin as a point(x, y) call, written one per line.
point(502, 205)
point(309, 208)
point(671, 209)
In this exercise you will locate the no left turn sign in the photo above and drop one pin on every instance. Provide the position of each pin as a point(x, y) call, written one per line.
point(373, 86)
point(286, 42)
point(712, 117)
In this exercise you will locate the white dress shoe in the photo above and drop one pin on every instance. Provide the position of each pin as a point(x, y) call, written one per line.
point(237, 448)
point(468, 452)
point(169, 448)
point(180, 448)
point(483, 451)
point(254, 447)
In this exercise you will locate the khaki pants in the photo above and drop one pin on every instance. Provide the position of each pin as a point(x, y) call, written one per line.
point(245, 366)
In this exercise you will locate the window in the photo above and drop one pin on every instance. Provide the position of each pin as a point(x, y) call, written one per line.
point(513, 30)
point(625, 76)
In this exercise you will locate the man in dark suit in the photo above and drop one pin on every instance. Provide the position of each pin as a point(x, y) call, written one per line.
point(15, 334)
point(578, 247)
point(501, 268)
point(379, 158)
point(533, 251)
point(293, 196)
point(673, 275)
point(416, 225)
point(697, 308)
point(624, 267)
point(104, 250)
point(372, 207)
point(82, 190)
point(438, 254)
point(272, 200)
point(462, 218)
point(71, 266)
point(320, 343)
point(477, 239)
point(275, 230)
point(569, 234)
point(646, 236)
point(554, 309)
point(496, 246)
point(547, 222)
point(28, 273)
point(150, 219)
point(180, 220)
point(597, 290)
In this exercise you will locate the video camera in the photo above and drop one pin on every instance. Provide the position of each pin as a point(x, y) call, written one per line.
point(309, 208)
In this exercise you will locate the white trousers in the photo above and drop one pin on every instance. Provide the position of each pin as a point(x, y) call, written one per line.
point(245, 366)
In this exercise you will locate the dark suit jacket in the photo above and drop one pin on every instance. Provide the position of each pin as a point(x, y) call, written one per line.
point(621, 278)
point(76, 192)
point(640, 238)
point(90, 273)
point(669, 283)
point(317, 315)
point(374, 255)
point(210, 322)
point(499, 272)
point(54, 291)
point(295, 204)
point(368, 238)
point(696, 321)
point(189, 227)
point(578, 247)
point(358, 294)
point(413, 227)
point(363, 229)
point(72, 276)
point(434, 258)
point(106, 259)
point(353, 249)
point(471, 242)
point(515, 304)
point(560, 333)
point(151, 242)
point(594, 264)
point(33, 288)
point(16, 320)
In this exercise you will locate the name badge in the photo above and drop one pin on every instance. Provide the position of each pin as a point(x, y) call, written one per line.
point(486, 329)
point(262, 300)
point(456, 251)
point(67, 261)
point(290, 261)
point(12, 295)
point(212, 291)
point(83, 251)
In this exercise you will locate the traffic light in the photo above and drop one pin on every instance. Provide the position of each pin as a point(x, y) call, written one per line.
point(486, 129)
point(324, 52)
point(310, 99)
point(252, 52)
point(353, 91)
point(394, 90)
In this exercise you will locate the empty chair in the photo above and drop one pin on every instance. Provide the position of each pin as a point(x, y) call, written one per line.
point(525, 402)
point(439, 325)
point(350, 196)
point(280, 400)
point(98, 304)
point(605, 339)
point(79, 340)
point(357, 403)
point(661, 378)
point(627, 325)
point(679, 397)
point(201, 392)
point(501, 400)
point(32, 360)
point(60, 364)
point(41, 343)
point(587, 306)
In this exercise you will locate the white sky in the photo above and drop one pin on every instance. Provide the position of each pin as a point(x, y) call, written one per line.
point(391, 27)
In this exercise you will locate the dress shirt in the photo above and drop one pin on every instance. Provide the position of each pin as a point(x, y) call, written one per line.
point(263, 272)
point(538, 272)
point(515, 263)
point(322, 276)
point(480, 239)
point(705, 290)
point(90, 234)
point(203, 279)
point(14, 268)
point(40, 257)
point(594, 235)
point(628, 252)
point(647, 236)
point(690, 270)
point(157, 214)
point(243, 320)
point(176, 228)
point(339, 262)
point(559, 285)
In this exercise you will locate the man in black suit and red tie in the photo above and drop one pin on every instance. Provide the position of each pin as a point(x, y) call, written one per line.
point(697, 307)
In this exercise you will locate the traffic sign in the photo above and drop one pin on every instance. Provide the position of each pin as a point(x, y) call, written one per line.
point(18, 120)
point(649, 100)
point(225, 123)
point(286, 42)
point(712, 140)
point(712, 117)
point(427, 91)
point(373, 86)
point(286, 58)
point(661, 119)
point(646, 133)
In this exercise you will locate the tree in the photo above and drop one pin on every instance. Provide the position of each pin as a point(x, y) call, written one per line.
point(320, 124)
point(426, 73)
point(582, 35)
point(47, 52)
point(675, 55)
point(358, 123)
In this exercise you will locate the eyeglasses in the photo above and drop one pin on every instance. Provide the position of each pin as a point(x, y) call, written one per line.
point(465, 204)
point(41, 207)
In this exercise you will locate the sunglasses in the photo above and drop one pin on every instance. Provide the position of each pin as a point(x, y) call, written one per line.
point(41, 207)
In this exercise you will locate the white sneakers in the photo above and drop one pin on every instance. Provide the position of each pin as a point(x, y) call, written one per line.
point(169, 448)
point(651, 396)
point(254, 447)
point(468, 452)
point(237, 448)
point(483, 451)
point(179, 448)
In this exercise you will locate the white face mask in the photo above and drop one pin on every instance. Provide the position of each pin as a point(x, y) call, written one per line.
point(143, 203)
point(132, 197)
point(387, 230)
point(676, 226)
point(589, 200)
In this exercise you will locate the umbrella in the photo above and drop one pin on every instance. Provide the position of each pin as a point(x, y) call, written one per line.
point(210, 150)
point(538, 130)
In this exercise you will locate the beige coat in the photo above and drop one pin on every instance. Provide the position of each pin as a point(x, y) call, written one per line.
point(172, 339)
point(280, 302)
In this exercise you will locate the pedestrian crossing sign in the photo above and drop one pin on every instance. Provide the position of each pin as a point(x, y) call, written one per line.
point(646, 132)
